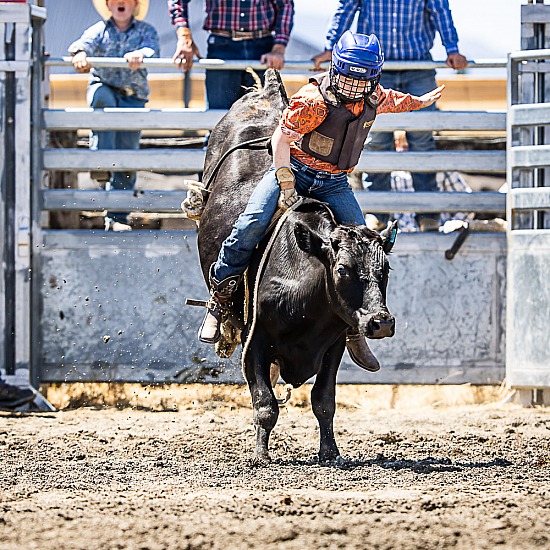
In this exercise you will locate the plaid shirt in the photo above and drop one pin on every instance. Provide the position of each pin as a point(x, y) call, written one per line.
point(104, 40)
point(241, 15)
point(406, 28)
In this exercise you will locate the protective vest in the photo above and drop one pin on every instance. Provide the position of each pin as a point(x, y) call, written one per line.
point(340, 138)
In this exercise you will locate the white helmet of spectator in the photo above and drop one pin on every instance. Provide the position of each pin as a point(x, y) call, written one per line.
point(139, 13)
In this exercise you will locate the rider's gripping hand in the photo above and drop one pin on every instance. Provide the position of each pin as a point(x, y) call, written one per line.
point(287, 198)
point(288, 195)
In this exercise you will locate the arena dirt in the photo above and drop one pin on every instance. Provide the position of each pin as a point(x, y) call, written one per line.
point(416, 475)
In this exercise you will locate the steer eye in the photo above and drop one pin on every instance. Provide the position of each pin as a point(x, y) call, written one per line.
point(342, 271)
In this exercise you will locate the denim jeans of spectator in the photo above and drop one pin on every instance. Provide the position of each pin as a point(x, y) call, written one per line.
point(250, 227)
point(416, 83)
point(223, 88)
point(101, 96)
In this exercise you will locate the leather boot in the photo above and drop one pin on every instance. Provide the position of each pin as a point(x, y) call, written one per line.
point(217, 307)
point(360, 352)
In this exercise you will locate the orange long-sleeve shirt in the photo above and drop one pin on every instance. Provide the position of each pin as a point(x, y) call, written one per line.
point(307, 110)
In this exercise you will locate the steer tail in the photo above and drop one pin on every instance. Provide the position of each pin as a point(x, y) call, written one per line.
point(257, 80)
point(274, 88)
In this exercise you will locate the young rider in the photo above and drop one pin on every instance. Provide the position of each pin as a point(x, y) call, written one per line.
point(317, 143)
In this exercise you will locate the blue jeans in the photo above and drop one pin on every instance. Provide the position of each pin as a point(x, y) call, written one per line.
point(416, 83)
point(250, 227)
point(223, 88)
point(101, 96)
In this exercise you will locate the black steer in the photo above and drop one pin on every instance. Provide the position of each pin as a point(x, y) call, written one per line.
point(318, 279)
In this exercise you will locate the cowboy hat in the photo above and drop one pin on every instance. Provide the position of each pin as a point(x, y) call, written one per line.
point(139, 13)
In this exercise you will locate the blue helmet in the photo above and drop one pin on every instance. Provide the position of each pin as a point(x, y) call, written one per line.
point(357, 58)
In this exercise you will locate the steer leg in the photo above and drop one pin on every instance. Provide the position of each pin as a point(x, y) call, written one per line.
point(264, 402)
point(323, 401)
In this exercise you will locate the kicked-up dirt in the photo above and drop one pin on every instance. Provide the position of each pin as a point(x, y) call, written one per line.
point(470, 476)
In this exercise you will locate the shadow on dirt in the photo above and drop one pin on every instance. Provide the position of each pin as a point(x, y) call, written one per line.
point(425, 466)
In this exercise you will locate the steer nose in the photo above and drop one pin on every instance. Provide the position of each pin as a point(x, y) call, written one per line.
point(381, 327)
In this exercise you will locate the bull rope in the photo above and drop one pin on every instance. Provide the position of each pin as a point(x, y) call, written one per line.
point(264, 259)
point(193, 205)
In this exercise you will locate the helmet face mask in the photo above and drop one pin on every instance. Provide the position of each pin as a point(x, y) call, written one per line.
point(351, 90)
point(356, 66)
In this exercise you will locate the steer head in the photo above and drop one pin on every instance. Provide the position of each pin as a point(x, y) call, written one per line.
point(357, 269)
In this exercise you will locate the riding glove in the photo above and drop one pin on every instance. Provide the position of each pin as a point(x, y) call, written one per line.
point(288, 195)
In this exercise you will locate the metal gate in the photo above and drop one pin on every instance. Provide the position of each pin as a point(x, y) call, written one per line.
point(528, 303)
point(120, 314)
point(109, 307)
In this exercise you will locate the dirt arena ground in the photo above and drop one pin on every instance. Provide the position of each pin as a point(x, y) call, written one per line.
point(419, 472)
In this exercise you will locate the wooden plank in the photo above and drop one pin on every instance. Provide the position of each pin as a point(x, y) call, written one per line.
point(462, 161)
point(535, 13)
point(170, 201)
point(195, 119)
point(38, 12)
point(537, 198)
point(162, 160)
point(441, 120)
point(141, 201)
point(374, 202)
point(529, 115)
point(14, 13)
point(534, 67)
point(14, 66)
point(137, 240)
point(132, 119)
point(189, 160)
point(531, 54)
point(530, 156)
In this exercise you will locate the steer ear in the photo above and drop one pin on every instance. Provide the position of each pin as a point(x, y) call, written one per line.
point(309, 241)
point(388, 237)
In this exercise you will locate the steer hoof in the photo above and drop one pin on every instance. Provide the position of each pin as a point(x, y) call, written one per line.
point(260, 460)
point(328, 456)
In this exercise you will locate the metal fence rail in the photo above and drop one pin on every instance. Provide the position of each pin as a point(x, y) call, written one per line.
point(290, 64)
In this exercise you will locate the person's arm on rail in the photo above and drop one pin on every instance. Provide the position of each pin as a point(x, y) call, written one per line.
point(86, 46)
point(150, 48)
point(441, 14)
point(275, 59)
point(185, 47)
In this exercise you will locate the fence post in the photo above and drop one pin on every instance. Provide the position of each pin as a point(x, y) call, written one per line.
point(528, 286)
point(16, 194)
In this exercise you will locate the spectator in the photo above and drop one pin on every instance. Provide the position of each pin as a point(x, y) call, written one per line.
point(12, 397)
point(121, 34)
point(257, 30)
point(318, 142)
point(407, 31)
